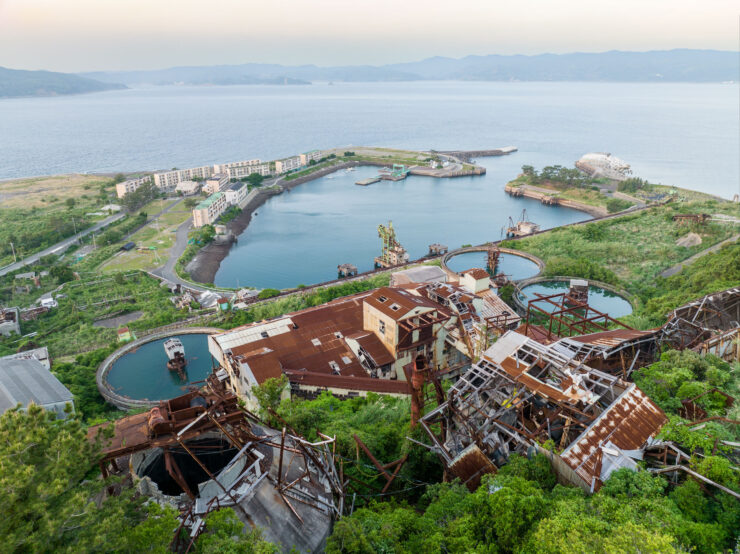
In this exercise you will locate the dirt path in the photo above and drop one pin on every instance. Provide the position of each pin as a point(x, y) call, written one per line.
point(678, 267)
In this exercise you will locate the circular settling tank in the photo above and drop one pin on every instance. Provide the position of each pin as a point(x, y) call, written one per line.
point(142, 374)
point(600, 299)
point(516, 267)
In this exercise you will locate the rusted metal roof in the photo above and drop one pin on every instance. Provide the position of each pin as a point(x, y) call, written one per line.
point(627, 424)
point(477, 273)
point(614, 337)
point(352, 383)
point(397, 303)
point(374, 346)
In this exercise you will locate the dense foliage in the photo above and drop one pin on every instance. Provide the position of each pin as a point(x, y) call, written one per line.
point(135, 200)
point(53, 499)
point(686, 375)
point(71, 327)
point(633, 249)
point(382, 423)
point(557, 175)
point(521, 509)
point(47, 493)
point(614, 205)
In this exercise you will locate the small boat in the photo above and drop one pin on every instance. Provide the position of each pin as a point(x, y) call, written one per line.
point(176, 355)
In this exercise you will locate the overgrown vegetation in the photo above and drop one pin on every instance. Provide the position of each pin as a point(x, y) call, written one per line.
point(51, 494)
point(295, 302)
point(521, 509)
point(135, 200)
point(634, 248)
point(69, 328)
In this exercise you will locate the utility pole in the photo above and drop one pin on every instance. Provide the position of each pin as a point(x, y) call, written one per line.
point(94, 245)
point(13, 249)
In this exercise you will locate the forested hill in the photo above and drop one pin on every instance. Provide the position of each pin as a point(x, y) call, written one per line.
point(18, 82)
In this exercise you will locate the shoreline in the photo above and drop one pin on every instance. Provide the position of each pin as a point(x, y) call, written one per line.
point(527, 192)
point(205, 265)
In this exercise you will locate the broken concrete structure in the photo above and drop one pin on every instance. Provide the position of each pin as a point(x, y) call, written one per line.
point(522, 394)
point(200, 452)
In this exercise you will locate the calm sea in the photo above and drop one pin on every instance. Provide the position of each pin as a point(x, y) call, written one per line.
point(682, 134)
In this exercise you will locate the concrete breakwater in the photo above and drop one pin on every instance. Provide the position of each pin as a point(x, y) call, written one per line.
point(554, 200)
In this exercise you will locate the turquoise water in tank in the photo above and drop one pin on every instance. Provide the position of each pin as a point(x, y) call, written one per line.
point(143, 374)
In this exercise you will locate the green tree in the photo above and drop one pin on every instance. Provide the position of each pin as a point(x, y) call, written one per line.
point(269, 394)
point(225, 534)
point(47, 486)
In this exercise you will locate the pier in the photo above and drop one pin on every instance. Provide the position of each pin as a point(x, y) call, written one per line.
point(366, 182)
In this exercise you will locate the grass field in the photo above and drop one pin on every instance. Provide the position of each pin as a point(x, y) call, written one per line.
point(635, 247)
point(41, 192)
point(153, 242)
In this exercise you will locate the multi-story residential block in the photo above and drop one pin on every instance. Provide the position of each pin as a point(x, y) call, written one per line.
point(246, 170)
point(236, 193)
point(207, 212)
point(217, 182)
point(314, 155)
point(168, 180)
point(227, 167)
point(130, 185)
point(288, 164)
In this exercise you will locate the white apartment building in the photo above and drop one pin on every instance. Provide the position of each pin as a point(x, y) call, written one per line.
point(225, 168)
point(130, 185)
point(288, 164)
point(208, 211)
point(217, 182)
point(168, 180)
point(314, 155)
point(236, 193)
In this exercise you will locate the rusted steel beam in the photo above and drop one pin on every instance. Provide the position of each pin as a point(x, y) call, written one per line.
point(401, 462)
point(369, 454)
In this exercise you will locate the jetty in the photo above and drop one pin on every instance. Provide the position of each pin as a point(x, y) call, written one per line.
point(366, 182)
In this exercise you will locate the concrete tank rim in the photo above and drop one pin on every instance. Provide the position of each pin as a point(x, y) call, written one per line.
point(124, 402)
point(524, 283)
point(484, 248)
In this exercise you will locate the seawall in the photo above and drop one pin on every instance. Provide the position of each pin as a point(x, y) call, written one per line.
point(552, 200)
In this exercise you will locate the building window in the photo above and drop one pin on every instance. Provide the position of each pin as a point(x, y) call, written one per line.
point(381, 327)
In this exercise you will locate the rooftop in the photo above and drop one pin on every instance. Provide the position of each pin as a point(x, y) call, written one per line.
point(23, 381)
point(205, 204)
point(477, 273)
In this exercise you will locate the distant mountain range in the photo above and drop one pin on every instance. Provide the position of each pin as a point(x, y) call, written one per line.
point(616, 66)
point(18, 82)
point(654, 66)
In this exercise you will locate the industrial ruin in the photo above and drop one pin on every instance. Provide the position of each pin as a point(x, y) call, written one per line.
point(200, 452)
point(393, 253)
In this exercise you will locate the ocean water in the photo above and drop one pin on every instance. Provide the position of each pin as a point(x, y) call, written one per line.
point(681, 134)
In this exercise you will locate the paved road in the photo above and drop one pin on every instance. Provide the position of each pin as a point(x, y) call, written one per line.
point(59, 247)
point(167, 271)
point(678, 267)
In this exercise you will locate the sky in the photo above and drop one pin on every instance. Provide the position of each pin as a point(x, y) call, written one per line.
point(89, 35)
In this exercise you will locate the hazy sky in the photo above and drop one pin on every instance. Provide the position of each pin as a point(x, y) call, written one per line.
point(83, 35)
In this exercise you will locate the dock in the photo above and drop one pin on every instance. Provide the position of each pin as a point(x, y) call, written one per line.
point(366, 182)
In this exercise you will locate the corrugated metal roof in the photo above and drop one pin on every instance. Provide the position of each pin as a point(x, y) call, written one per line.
point(627, 424)
point(477, 273)
point(612, 338)
point(27, 380)
point(383, 386)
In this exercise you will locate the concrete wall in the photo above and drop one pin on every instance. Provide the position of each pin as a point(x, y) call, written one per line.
point(124, 402)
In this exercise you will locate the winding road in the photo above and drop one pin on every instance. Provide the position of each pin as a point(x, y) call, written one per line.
point(61, 246)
